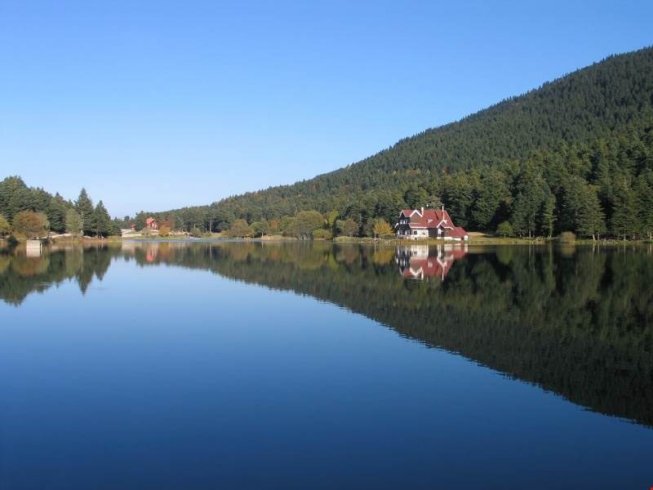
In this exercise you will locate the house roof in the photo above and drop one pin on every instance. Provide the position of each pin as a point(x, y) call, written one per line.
point(457, 232)
point(428, 218)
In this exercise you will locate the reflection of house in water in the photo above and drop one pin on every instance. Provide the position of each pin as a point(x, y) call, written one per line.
point(424, 261)
point(132, 248)
point(151, 252)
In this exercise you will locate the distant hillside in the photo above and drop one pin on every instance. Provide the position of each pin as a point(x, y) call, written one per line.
point(575, 154)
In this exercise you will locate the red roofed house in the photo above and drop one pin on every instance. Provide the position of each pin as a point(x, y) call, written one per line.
point(414, 224)
point(151, 224)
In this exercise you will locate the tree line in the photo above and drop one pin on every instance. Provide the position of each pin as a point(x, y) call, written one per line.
point(31, 212)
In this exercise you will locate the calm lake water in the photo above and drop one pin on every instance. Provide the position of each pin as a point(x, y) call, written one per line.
point(249, 365)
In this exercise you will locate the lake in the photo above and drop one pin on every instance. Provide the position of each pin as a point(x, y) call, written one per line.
point(169, 365)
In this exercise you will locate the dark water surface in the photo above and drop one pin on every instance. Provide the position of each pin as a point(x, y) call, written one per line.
point(248, 365)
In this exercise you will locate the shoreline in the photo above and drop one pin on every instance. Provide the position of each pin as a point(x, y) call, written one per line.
point(477, 241)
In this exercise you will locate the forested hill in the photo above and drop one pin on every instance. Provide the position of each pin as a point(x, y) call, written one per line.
point(575, 154)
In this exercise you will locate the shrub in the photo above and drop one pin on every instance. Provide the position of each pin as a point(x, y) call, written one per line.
point(31, 224)
point(240, 228)
point(505, 229)
point(322, 234)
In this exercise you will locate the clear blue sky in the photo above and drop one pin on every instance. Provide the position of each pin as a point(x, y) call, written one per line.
point(155, 104)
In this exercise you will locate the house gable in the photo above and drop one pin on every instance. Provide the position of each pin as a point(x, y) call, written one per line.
point(421, 223)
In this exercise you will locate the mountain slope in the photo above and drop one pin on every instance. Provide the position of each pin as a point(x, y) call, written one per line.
point(600, 115)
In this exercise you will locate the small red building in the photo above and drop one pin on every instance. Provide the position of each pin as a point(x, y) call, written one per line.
point(151, 224)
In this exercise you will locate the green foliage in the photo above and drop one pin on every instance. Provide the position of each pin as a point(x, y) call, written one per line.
point(5, 228)
point(347, 227)
point(73, 222)
point(382, 229)
point(322, 234)
point(196, 232)
point(31, 224)
point(56, 212)
point(505, 229)
point(15, 196)
point(85, 209)
point(305, 223)
point(644, 192)
point(241, 229)
point(260, 228)
point(101, 221)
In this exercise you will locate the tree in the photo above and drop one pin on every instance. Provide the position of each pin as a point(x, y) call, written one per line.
point(644, 191)
point(382, 229)
point(4, 226)
point(416, 197)
point(31, 224)
point(73, 222)
point(306, 222)
point(492, 190)
point(624, 218)
point(505, 229)
point(101, 220)
point(547, 215)
point(56, 212)
point(459, 196)
point(590, 217)
point(347, 227)
point(85, 209)
point(532, 193)
point(240, 228)
point(9, 187)
point(260, 228)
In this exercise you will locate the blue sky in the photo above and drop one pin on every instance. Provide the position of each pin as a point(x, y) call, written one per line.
point(156, 105)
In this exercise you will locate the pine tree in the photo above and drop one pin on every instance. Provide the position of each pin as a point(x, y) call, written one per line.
point(547, 215)
point(101, 220)
point(56, 213)
point(85, 209)
point(590, 220)
point(73, 222)
point(624, 219)
point(644, 193)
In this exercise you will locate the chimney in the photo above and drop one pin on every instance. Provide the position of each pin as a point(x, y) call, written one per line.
point(443, 208)
point(422, 210)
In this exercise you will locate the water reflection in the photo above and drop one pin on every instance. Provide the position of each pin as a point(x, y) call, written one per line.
point(425, 261)
point(578, 322)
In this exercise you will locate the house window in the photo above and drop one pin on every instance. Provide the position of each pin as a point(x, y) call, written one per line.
point(415, 232)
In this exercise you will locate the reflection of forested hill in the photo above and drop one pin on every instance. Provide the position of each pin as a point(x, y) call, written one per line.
point(21, 275)
point(579, 324)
